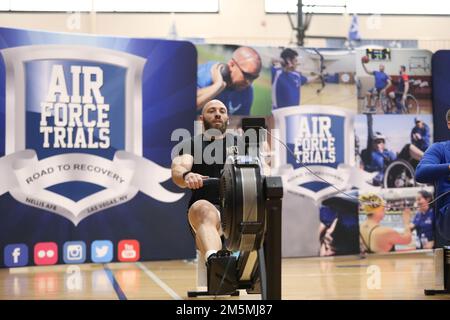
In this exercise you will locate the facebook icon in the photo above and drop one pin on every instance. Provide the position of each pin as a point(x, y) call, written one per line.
point(16, 255)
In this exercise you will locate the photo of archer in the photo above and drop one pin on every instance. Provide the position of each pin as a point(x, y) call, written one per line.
point(302, 76)
point(287, 80)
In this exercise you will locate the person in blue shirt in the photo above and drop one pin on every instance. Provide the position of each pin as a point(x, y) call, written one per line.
point(230, 83)
point(286, 80)
point(420, 135)
point(382, 82)
point(435, 168)
point(423, 221)
point(381, 157)
point(376, 157)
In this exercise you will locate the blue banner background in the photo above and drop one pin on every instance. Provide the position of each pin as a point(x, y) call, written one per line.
point(169, 98)
point(441, 94)
point(441, 103)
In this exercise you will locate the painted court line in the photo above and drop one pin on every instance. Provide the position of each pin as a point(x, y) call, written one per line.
point(159, 282)
point(120, 294)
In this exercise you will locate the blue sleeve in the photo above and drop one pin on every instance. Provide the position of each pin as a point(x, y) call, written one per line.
point(430, 167)
point(377, 75)
point(303, 79)
point(392, 155)
point(248, 102)
point(273, 70)
point(377, 161)
point(204, 78)
point(426, 136)
point(411, 135)
point(416, 220)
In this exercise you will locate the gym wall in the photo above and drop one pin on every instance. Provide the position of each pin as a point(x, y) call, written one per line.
point(254, 26)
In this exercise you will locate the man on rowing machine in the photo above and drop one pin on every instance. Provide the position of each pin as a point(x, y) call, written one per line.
point(202, 157)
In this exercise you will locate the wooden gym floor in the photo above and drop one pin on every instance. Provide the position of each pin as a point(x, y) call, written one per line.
point(339, 95)
point(391, 276)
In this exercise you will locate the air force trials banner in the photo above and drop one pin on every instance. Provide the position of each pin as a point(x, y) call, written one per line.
point(85, 127)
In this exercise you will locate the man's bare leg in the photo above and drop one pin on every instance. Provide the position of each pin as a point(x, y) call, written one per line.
point(204, 219)
point(369, 100)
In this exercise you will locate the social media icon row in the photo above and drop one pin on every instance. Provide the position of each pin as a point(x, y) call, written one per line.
point(74, 252)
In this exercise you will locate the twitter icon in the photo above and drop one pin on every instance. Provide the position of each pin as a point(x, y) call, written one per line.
point(102, 251)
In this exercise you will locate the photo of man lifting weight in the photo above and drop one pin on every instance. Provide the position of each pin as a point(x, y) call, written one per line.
point(231, 83)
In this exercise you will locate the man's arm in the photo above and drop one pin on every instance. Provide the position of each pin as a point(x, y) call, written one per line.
point(398, 238)
point(277, 63)
point(405, 237)
point(366, 70)
point(181, 165)
point(191, 180)
point(210, 92)
point(392, 155)
point(430, 167)
point(312, 78)
point(388, 84)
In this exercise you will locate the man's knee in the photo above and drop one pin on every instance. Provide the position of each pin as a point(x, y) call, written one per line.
point(202, 212)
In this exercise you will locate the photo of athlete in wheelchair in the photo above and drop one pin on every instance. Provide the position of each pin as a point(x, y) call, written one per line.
point(401, 101)
point(393, 170)
point(388, 96)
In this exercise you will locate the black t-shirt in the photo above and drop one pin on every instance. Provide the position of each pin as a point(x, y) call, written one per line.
point(209, 159)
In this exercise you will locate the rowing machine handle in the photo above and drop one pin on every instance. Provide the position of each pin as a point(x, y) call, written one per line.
point(210, 181)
